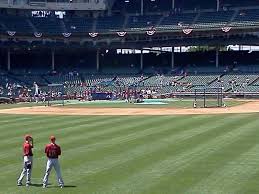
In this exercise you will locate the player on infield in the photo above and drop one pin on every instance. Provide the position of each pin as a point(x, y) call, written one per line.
point(53, 151)
point(27, 161)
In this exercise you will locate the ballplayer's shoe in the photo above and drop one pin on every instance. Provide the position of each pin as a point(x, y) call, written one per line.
point(61, 186)
point(19, 184)
point(44, 186)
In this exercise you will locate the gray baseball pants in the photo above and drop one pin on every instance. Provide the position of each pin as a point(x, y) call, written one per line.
point(53, 162)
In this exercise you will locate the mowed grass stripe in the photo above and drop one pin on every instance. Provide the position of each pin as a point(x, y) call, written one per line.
point(184, 122)
point(230, 177)
point(140, 151)
point(46, 128)
point(115, 145)
point(152, 173)
point(101, 168)
point(39, 151)
point(156, 150)
point(17, 132)
point(12, 167)
point(64, 126)
point(44, 123)
point(72, 150)
point(199, 171)
point(82, 130)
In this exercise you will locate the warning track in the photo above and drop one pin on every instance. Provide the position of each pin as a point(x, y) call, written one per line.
point(250, 107)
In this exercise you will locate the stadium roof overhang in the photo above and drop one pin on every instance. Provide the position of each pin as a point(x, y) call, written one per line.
point(140, 39)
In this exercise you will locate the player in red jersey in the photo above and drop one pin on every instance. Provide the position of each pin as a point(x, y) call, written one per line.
point(27, 161)
point(53, 151)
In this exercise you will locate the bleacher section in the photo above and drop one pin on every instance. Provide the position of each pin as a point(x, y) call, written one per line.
point(245, 17)
point(213, 19)
point(161, 84)
point(93, 80)
point(176, 21)
point(199, 80)
point(142, 22)
point(64, 79)
point(128, 80)
point(234, 82)
point(110, 23)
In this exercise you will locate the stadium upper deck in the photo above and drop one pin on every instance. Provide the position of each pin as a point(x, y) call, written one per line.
point(132, 6)
point(21, 25)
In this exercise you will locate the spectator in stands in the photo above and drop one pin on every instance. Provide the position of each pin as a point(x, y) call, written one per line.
point(1, 90)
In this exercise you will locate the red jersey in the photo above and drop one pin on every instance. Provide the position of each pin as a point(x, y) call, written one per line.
point(52, 150)
point(27, 149)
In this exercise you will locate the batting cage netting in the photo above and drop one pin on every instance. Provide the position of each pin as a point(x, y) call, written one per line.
point(55, 94)
point(208, 97)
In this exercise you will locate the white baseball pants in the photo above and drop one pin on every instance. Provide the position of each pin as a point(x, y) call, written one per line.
point(27, 168)
point(53, 162)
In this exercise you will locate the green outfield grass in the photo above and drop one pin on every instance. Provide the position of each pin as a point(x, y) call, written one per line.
point(197, 154)
point(168, 104)
point(18, 105)
point(186, 103)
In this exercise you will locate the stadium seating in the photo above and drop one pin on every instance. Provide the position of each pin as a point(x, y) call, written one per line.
point(47, 25)
point(199, 80)
point(110, 23)
point(16, 24)
point(64, 79)
point(30, 79)
point(78, 24)
point(247, 17)
point(142, 22)
point(176, 21)
point(234, 82)
point(213, 19)
point(93, 80)
point(126, 80)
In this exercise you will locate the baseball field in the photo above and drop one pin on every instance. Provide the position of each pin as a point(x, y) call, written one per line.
point(208, 151)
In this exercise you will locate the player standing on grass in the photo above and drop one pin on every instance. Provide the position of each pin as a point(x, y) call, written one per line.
point(52, 151)
point(27, 161)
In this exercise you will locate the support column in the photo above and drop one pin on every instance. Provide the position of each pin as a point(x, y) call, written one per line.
point(172, 58)
point(217, 57)
point(53, 60)
point(141, 60)
point(98, 60)
point(218, 5)
point(142, 7)
point(8, 59)
point(173, 4)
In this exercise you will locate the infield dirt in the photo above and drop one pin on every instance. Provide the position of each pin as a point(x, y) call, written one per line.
point(249, 107)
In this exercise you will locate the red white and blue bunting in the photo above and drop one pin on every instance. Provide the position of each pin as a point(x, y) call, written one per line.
point(226, 29)
point(187, 31)
point(11, 33)
point(93, 34)
point(37, 34)
point(121, 34)
point(66, 35)
point(149, 32)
